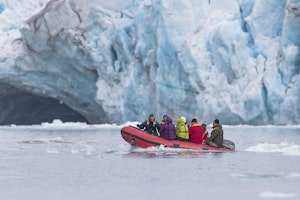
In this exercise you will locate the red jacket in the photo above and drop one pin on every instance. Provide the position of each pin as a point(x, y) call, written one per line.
point(205, 135)
point(196, 133)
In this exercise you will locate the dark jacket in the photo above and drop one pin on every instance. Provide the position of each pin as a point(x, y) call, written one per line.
point(150, 127)
point(168, 130)
point(216, 136)
point(196, 133)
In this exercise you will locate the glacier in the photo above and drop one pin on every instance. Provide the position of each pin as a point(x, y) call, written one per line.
point(118, 61)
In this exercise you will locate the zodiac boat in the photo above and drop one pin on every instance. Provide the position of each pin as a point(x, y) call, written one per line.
point(137, 137)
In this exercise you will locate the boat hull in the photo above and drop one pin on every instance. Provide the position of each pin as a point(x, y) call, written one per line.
point(141, 139)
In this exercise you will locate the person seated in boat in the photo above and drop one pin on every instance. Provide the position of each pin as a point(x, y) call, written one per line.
point(196, 132)
point(150, 126)
point(205, 134)
point(182, 130)
point(216, 138)
point(185, 122)
point(164, 119)
point(168, 130)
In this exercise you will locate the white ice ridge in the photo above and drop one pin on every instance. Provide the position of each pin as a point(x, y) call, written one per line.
point(276, 195)
point(115, 61)
point(283, 147)
point(292, 175)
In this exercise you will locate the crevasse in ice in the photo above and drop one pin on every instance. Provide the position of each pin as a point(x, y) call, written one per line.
point(118, 61)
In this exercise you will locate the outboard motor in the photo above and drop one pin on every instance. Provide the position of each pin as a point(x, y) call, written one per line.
point(228, 144)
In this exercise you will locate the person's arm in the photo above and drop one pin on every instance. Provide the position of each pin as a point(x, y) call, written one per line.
point(174, 130)
point(214, 134)
point(205, 135)
point(157, 125)
point(179, 129)
point(143, 125)
point(201, 130)
point(161, 129)
point(190, 132)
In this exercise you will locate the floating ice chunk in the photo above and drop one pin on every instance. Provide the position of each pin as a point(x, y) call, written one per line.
point(44, 140)
point(54, 151)
point(293, 175)
point(276, 195)
point(283, 147)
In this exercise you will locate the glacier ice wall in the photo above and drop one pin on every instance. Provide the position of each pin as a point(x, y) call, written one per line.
point(118, 61)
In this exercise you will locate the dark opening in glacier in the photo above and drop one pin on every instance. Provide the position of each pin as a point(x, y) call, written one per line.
point(22, 108)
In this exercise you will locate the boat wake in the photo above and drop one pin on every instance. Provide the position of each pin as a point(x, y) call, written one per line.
point(285, 148)
point(161, 148)
point(165, 152)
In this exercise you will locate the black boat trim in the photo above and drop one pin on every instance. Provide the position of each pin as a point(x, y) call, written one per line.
point(140, 138)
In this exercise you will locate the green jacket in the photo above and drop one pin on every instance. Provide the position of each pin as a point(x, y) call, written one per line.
point(182, 131)
point(216, 136)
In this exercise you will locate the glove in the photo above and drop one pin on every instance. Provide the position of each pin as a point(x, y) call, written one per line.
point(138, 125)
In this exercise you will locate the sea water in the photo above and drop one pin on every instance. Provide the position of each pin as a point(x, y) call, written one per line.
point(92, 162)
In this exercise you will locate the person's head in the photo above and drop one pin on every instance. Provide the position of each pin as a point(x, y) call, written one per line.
point(184, 119)
point(169, 120)
point(165, 117)
point(151, 118)
point(216, 122)
point(194, 121)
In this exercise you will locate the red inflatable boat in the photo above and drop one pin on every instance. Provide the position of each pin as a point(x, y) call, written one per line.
point(136, 137)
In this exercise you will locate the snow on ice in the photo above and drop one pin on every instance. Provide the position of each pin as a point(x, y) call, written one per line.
point(118, 61)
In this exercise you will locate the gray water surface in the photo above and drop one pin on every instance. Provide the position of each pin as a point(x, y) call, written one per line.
point(77, 161)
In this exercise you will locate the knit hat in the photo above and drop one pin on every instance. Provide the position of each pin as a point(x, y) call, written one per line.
point(165, 115)
point(217, 121)
point(194, 120)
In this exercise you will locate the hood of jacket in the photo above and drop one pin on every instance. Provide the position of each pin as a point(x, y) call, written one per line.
point(169, 120)
point(217, 126)
point(180, 121)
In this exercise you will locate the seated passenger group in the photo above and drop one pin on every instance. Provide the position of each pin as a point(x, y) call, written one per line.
point(195, 133)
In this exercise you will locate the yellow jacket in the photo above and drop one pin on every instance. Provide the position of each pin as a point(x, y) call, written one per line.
point(182, 131)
